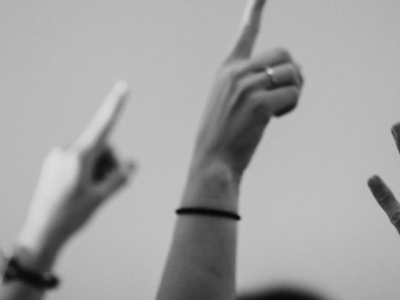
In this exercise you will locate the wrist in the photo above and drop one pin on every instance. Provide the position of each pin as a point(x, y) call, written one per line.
point(212, 184)
point(215, 166)
point(17, 264)
point(37, 252)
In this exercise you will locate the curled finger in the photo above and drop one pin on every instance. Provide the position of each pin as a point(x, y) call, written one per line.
point(104, 163)
point(281, 100)
point(283, 75)
point(270, 58)
point(118, 178)
point(271, 78)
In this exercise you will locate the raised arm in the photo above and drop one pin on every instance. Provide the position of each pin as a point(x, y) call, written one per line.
point(247, 93)
point(74, 182)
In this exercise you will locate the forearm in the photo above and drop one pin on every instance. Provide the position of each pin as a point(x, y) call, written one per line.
point(74, 182)
point(202, 259)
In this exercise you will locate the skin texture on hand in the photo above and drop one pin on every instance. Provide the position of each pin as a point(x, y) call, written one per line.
point(244, 98)
point(383, 194)
point(75, 181)
point(202, 259)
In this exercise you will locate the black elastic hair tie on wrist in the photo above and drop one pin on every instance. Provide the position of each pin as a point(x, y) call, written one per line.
point(207, 212)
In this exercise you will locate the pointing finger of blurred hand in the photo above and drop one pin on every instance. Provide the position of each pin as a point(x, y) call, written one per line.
point(243, 46)
point(105, 118)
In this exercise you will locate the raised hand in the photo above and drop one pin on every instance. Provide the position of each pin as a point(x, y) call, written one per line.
point(247, 93)
point(383, 194)
point(76, 180)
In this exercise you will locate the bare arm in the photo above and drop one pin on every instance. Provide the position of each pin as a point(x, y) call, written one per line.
point(247, 93)
point(73, 183)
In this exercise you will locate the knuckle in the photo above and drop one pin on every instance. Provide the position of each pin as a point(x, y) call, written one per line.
point(396, 130)
point(300, 79)
point(382, 197)
point(293, 93)
point(395, 217)
point(239, 89)
point(282, 54)
point(292, 96)
point(231, 72)
point(295, 72)
point(297, 69)
point(298, 75)
point(242, 87)
point(291, 68)
point(292, 73)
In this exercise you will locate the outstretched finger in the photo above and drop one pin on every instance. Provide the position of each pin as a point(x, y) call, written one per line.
point(104, 120)
point(386, 200)
point(244, 43)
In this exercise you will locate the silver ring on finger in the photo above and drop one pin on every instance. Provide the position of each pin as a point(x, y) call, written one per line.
point(271, 76)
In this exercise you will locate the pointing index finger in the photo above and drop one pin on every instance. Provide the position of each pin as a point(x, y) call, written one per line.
point(248, 30)
point(105, 118)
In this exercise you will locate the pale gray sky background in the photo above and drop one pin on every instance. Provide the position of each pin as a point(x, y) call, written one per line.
point(308, 216)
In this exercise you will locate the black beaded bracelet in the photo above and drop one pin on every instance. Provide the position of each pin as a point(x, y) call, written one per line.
point(207, 212)
point(13, 270)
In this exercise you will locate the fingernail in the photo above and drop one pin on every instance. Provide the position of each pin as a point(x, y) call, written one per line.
point(121, 87)
point(396, 131)
point(373, 182)
point(395, 217)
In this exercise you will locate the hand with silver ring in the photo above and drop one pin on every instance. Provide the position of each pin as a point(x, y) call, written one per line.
point(271, 76)
point(249, 90)
point(201, 263)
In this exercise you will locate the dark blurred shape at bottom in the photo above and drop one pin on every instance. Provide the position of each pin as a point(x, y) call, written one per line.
point(282, 292)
